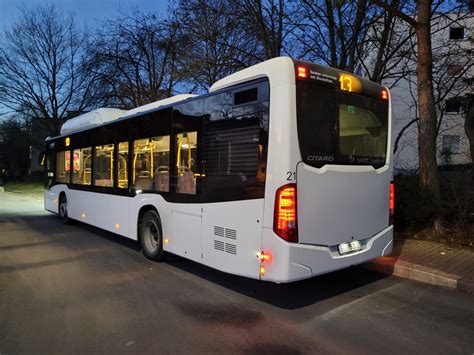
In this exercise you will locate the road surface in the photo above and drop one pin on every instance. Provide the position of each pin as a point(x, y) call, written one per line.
point(77, 289)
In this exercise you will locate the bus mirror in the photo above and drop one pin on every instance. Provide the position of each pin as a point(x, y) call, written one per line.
point(42, 159)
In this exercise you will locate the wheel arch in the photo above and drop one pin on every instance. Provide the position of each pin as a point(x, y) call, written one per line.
point(60, 196)
point(143, 209)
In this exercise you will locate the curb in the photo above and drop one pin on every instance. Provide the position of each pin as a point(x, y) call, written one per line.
point(405, 269)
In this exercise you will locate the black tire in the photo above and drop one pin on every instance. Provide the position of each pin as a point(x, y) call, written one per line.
point(151, 236)
point(62, 210)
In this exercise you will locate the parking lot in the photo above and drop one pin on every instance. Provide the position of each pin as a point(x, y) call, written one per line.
point(78, 289)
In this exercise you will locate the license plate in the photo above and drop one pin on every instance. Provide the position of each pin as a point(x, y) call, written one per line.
point(350, 247)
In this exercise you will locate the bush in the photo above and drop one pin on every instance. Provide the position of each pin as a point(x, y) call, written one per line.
point(35, 176)
point(457, 194)
point(415, 207)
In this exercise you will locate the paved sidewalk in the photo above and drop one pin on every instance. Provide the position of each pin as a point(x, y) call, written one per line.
point(429, 262)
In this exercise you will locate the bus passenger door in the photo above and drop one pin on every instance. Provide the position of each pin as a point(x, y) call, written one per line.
point(186, 210)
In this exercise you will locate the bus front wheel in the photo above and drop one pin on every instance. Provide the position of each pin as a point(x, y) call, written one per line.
point(63, 212)
point(151, 237)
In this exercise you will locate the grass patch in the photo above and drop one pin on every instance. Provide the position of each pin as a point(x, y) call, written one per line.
point(28, 188)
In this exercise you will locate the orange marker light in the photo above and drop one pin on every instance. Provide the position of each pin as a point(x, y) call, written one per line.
point(262, 270)
point(302, 72)
point(384, 94)
point(265, 257)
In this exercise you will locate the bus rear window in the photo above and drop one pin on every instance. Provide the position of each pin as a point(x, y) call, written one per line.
point(336, 127)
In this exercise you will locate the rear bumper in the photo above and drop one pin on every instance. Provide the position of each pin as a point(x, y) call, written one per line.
point(292, 262)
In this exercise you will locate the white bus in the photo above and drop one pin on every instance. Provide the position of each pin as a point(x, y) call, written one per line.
point(280, 173)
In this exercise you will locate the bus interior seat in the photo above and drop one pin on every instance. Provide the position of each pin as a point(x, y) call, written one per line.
point(186, 183)
point(162, 179)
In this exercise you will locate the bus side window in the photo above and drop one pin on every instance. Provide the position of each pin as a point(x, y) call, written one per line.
point(235, 145)
point(122, 165)
point(82, 160)
point(186, 162)
point(150, 163)
point(63, 166)
point(103, 165)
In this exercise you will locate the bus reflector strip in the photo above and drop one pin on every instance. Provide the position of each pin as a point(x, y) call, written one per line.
point(284, 221)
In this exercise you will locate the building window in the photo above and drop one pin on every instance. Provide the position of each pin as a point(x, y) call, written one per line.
point(452, 144)
point(454, 70)
point(456, 33)
point(103, 165)
point(82, 163)
point(453, 105)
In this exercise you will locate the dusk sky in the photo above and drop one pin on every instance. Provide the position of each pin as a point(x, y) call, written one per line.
point(88, 12)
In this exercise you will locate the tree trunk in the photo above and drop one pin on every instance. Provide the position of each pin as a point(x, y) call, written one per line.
point(427, 113)
point(469, 127)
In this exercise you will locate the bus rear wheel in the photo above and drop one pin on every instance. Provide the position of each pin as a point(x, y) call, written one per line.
point(63, 212)
point(151, 237)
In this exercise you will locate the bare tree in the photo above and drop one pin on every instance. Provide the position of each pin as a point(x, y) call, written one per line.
point(213, 41)
point(469, 124)
point(43, 71)
point(333, 32)
point(355, 36)
point(267, 20)
point(221, 37)
point(135, 59)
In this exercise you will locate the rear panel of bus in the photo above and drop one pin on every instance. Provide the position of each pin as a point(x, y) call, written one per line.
point(333, 212)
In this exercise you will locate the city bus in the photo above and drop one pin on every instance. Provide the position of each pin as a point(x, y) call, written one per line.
point(280, 173)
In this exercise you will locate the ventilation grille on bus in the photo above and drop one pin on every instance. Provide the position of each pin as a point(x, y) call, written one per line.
point(231, 248)
point(225, 233)
point(218, 245)
point(219, 231)
point(231, 233)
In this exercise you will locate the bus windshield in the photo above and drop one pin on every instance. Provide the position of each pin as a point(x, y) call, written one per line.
point(339, 127)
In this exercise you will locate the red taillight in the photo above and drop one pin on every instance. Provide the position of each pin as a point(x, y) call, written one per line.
point(302, 72)
point(284, 221)
point(391, 203)
point(384, 94)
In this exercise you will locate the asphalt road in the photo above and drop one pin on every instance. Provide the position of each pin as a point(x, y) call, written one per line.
point(77, 289)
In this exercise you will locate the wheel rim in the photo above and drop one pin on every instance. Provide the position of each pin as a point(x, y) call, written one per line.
point(151, 236)
point(63, 209)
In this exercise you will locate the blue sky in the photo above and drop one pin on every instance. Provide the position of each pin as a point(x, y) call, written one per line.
point(88, 12)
